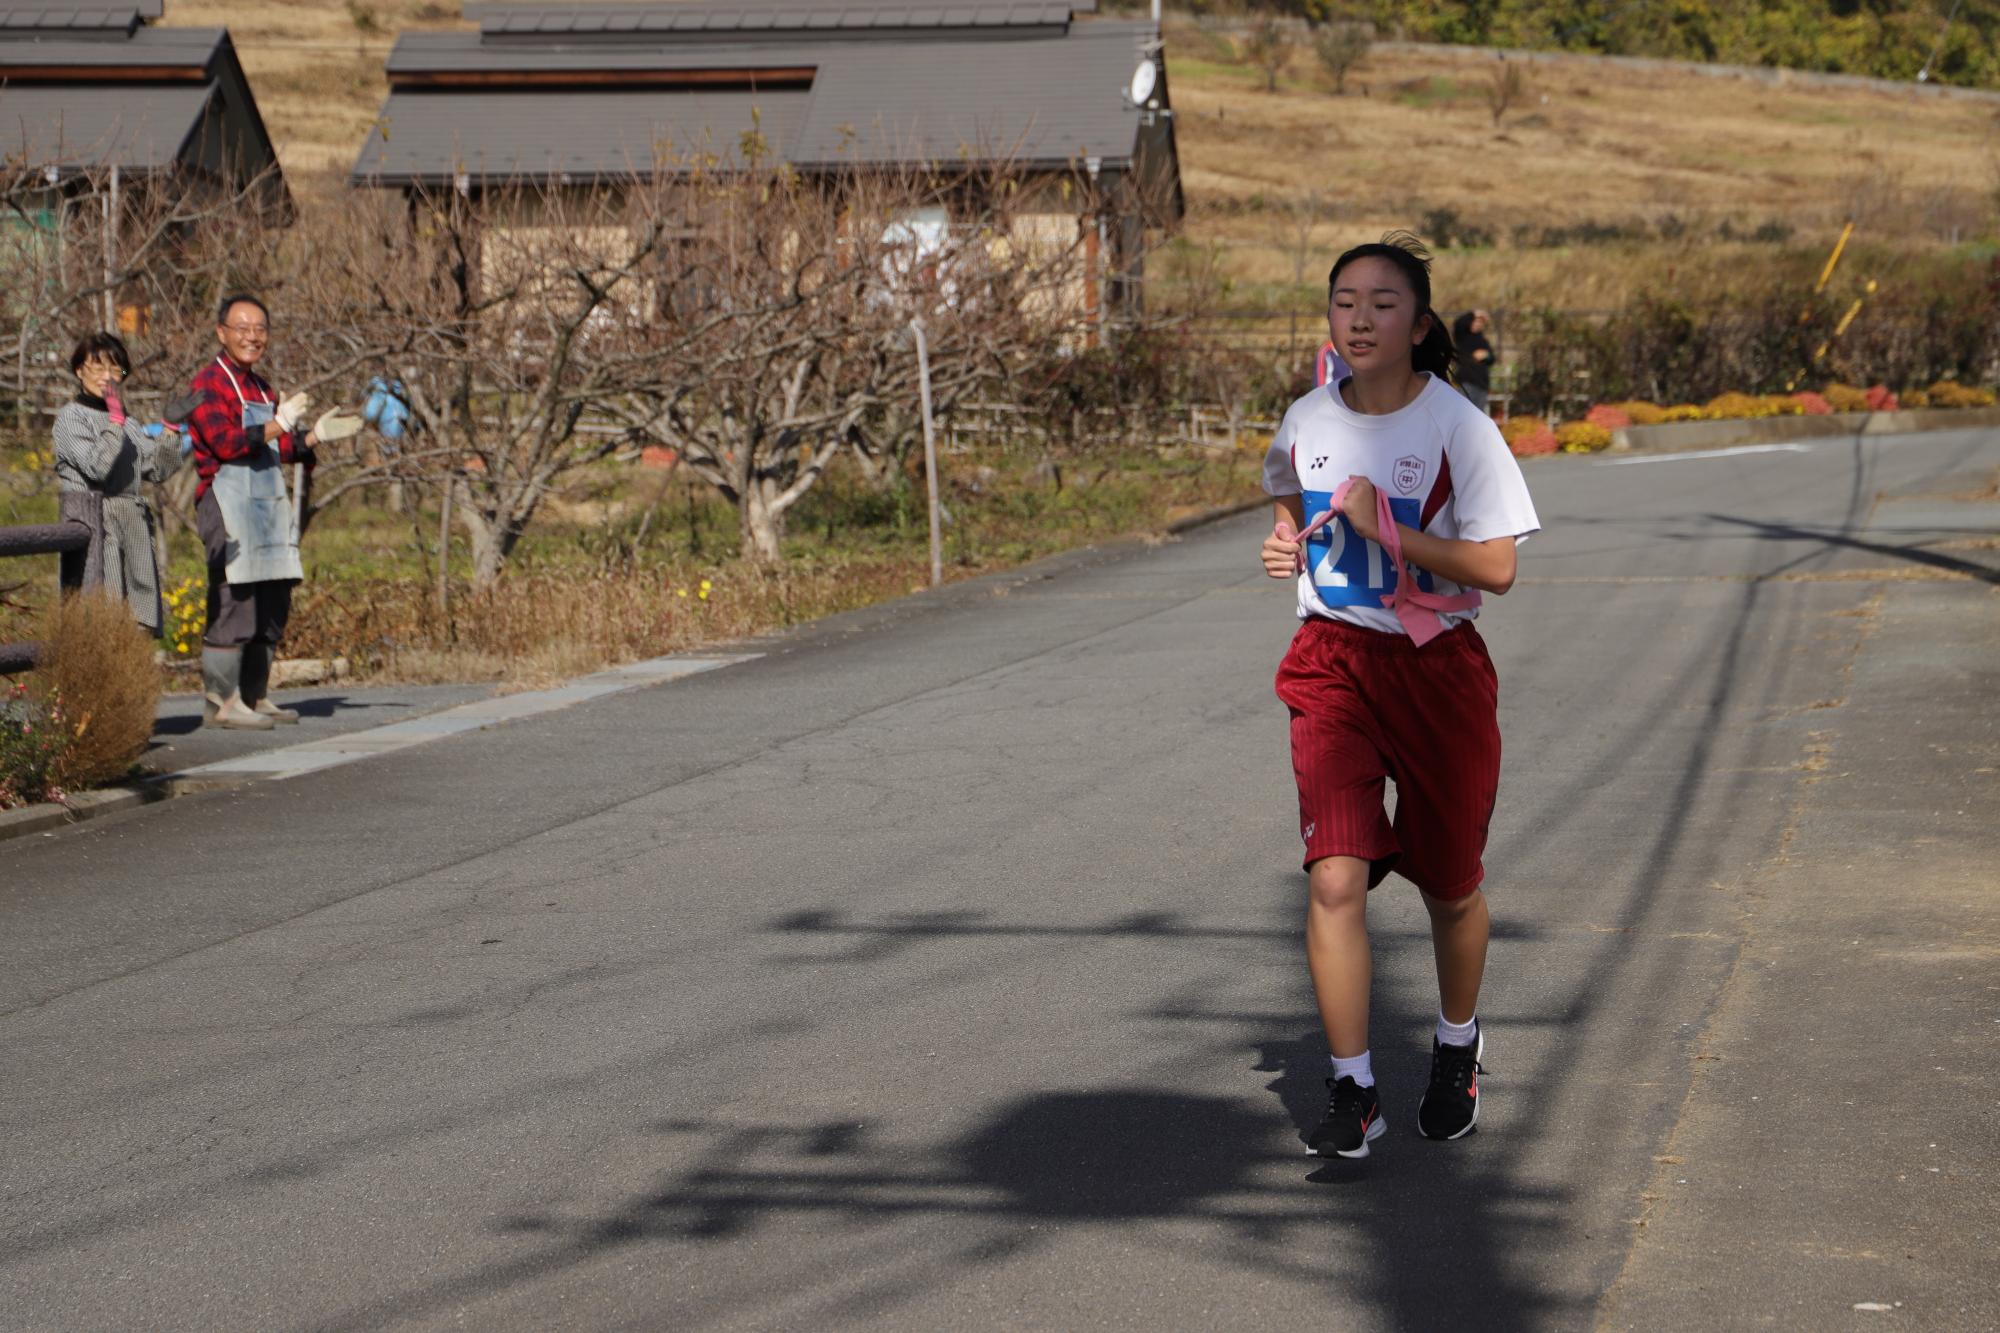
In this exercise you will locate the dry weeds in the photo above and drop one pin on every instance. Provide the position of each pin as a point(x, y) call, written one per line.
point(100, 664)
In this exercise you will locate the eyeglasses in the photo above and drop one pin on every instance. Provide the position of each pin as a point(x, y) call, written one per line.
point(248, 328)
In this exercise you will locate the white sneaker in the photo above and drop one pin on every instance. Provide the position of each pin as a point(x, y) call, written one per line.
point(265, 708)
point(239, 716)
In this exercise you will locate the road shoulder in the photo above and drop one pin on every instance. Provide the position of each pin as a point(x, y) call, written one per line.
point(1830, 1162)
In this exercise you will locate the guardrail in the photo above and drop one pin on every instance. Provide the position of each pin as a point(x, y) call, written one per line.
point(78, 542)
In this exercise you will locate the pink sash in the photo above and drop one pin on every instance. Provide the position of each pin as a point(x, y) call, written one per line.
point(1414, 607)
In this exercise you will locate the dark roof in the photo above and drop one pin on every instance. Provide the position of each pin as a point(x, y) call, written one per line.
point(142, 101)
point(39, 18)
point(1032, 102)
point(53, 15)
point(449, 53)
point(463, 105)
point(60, 56)
point(426, 137)
point(776, 18)
point(139, 129)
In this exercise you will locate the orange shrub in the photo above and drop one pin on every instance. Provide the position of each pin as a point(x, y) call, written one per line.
point(1812, 404)
point(1683, 412)
point(1846, 398)
point(1608, 415)
point(1528, 436)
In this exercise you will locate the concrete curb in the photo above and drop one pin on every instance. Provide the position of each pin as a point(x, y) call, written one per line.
point(1682, 436)
point(332, 751)
point(52, 815)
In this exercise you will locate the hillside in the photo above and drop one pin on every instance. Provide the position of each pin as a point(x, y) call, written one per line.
point(1601, 177)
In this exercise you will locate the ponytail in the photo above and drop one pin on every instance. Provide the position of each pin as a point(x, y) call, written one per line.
point(1435, 353)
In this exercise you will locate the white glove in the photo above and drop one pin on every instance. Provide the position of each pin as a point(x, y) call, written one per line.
point(336, 425)
point(291, 409)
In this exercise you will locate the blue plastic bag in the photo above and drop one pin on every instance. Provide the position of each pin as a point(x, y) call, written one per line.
point(386, 408)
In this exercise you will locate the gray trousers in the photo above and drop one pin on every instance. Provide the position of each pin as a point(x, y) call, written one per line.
point(238, 613)
point(1475, 395)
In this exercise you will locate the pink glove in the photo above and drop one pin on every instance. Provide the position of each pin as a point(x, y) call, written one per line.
point(113, 403)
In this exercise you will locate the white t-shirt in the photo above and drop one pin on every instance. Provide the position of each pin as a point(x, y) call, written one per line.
point(1441, 462)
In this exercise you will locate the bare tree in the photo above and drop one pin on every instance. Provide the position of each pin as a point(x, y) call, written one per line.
point(1341, 45)
point(1507, 88)
point(143, 255)
point(997, 290)
point(1268, 45)
point(756, 320)
point(789, 336)
point(88, 250)
point(510, 321)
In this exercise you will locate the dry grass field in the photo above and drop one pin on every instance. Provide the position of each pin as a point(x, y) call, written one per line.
point(1278, 182)
point(1670, 157)
point(315, 65)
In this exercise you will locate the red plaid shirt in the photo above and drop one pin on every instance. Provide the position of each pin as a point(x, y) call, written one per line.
point(216, 426)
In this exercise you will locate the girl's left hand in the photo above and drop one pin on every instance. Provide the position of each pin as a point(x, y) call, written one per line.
point(1359, 507)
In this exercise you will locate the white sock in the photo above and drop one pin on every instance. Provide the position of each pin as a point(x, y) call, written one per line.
point(1357, 1067)
point(1458, 1034)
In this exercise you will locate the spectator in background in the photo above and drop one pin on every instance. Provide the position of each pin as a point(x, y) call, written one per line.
point(1475, 356)
point(244, 435)
point(101, 452)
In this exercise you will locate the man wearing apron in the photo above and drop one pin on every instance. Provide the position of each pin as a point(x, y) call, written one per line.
point(243, 435)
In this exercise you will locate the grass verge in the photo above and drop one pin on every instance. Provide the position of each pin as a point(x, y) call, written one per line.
point(631, 563)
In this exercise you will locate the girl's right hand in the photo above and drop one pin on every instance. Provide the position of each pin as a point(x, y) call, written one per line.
point(1281, 552)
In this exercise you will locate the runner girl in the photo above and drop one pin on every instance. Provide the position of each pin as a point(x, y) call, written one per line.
point(1409, 505)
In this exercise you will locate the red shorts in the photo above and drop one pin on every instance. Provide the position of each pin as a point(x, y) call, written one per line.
point(1367, 705)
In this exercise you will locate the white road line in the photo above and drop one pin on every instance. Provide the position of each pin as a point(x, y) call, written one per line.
point(312, 756)
point(1709, 453)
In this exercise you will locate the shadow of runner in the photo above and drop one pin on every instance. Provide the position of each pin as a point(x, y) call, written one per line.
point(1033, 1172)
point(1444, 1221)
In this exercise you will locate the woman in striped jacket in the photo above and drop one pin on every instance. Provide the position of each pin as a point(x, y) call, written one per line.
point(100, 451)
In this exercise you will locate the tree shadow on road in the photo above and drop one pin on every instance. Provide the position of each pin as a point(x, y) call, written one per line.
point(1200, 1175)
point(1911, 553)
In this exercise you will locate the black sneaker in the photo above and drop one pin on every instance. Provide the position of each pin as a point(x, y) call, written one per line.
point(1451, 1104)
point(1353, 1119)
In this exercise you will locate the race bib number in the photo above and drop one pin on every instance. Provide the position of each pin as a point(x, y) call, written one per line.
point(1346, 568)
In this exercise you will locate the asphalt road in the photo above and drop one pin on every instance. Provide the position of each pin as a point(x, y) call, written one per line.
point(941, 969)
